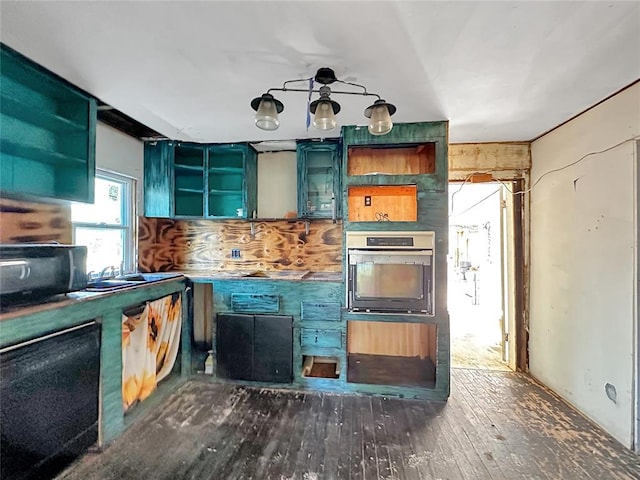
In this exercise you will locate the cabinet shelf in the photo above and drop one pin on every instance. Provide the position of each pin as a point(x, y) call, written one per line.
point(189, 169)
point(24, 112)
point(40, 155)
point(234, 170)
point(189, 190)
point(214, 191)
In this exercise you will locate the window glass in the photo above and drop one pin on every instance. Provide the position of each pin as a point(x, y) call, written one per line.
point(105, 227)
point(105, 247)
point(108, 205)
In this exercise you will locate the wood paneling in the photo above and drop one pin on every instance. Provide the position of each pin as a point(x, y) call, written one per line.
point(202, 245)
point(393, 339)
point(393, 203)
point(505, 160)
point(33, 222)
point(202, 315)
point(413, 160)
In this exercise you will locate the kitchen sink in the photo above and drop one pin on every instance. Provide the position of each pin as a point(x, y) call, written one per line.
point(108, 285)
point(125, 281)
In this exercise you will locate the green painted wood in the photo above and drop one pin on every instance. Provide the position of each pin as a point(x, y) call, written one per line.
point(111, 376)
point(407, 133)
point(189, 179)
point(250, 182)
point(232, 180)
point(255, 303)
point(321, 338)
point(47, 139)
point(432, 216)
point(318, 178)
point(158, 179)
point(320, 311)
point(291, 294)
point(107, 308)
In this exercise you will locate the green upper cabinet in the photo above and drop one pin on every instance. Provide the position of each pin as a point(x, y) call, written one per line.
point(189, 183)
point(318, 179)
point(47, 134)
point(232, 174)
point(199, 180)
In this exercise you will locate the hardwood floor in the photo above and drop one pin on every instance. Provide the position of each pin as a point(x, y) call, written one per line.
point(496, 425)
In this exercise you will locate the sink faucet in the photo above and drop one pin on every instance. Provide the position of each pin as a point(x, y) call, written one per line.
point(103, 273)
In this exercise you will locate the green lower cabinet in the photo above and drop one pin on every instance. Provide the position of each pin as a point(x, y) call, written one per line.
point(315, 337)
point(320, 311)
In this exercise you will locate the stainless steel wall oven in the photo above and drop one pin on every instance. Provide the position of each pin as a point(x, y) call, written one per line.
point(390, 272)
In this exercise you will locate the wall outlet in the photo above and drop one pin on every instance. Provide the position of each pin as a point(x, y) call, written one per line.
point(235, 253)
point(367, 201)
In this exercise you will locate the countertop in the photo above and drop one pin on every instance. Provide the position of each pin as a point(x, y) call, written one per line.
point(199, 276)
point(291, 275)
point(62, 300)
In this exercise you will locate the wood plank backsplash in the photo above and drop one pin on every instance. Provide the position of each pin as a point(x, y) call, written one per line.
point(34, 222)
point(205, 245)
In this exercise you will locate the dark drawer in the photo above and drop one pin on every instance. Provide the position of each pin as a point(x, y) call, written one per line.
point(255, 303)
point(320, 311)
point(312, 337)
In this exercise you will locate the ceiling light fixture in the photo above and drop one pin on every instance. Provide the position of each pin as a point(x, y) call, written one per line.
point(324, 109)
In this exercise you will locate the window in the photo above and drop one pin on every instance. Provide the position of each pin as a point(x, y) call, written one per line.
point(106, 226)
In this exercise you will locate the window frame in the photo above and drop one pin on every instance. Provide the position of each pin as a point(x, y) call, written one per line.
point(128, 226)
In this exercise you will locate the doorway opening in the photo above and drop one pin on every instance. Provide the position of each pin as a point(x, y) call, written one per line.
point(480, 278)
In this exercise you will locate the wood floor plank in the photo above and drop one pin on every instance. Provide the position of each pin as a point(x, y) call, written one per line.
point(496, 425)
point(289, 436)
point(333, 408)
point(385, 466)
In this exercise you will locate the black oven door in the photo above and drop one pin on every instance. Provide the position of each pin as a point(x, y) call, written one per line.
point(391, 281)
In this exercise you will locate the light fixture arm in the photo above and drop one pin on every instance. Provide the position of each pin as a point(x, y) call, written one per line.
point(324, 108)
point(306, 90)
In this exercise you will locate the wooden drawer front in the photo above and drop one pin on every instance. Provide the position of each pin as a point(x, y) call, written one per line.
point(255, 303)
point(310, 337)
point(325, 312)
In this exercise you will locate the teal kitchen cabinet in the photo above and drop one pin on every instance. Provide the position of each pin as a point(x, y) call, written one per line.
point(199, 180)
point(47, 139)
point(318, 179)
point(189, 180)
point(232, 173)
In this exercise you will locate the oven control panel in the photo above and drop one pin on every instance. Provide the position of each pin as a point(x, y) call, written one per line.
point(390, 242)
point(400, 240)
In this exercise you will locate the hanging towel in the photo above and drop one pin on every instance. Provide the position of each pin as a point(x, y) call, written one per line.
point(150, 343)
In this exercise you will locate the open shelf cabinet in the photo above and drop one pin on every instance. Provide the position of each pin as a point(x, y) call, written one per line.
point(47, 139)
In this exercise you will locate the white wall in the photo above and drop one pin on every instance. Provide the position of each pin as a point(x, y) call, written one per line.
point(120, 153)
point(583, 240)
point(277, 184)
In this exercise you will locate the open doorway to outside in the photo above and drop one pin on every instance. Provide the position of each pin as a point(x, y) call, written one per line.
point(480, 291)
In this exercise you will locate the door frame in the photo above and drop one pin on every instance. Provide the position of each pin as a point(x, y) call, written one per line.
point(519, 333)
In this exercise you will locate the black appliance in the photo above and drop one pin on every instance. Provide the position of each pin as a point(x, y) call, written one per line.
point(31, 271)
point(48, 402)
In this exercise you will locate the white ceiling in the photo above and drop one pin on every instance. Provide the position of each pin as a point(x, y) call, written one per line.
point(498, 71)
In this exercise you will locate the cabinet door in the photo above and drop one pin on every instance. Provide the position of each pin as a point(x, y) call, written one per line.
point(234, 344)
point(273, 349)
point(318, 179)
point(158, 179)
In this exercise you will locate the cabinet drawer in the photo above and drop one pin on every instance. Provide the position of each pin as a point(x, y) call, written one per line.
point(255, 303)
point(319, 311)
point(320, 338)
